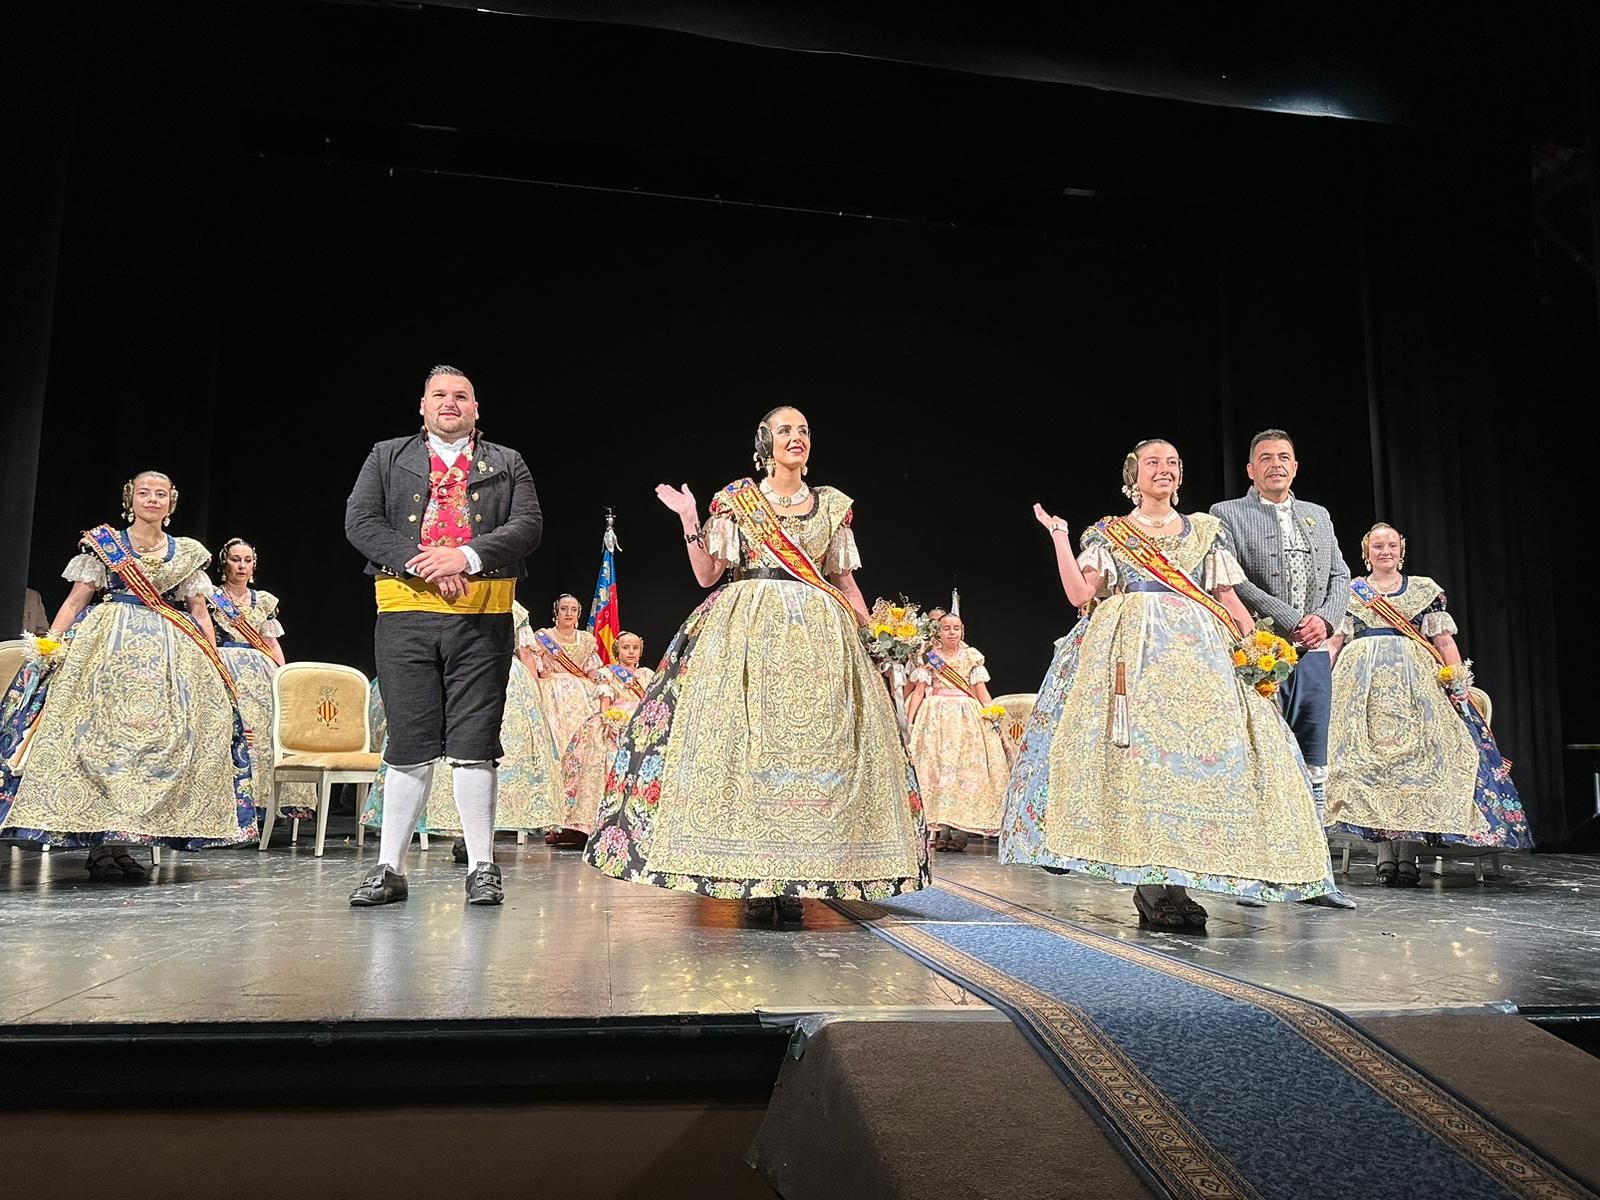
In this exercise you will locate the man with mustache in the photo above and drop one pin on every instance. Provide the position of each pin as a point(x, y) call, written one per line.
point(1298, 578)
point(444, 519)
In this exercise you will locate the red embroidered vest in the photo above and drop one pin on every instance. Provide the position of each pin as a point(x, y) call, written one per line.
point(446, 522)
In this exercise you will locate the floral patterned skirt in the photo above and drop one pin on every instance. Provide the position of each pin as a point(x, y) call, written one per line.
point(764, 760)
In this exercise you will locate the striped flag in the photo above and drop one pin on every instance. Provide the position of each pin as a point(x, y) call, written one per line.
point(604, 621)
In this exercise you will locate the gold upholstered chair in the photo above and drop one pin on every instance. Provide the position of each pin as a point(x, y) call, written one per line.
point(11, 655)
point(321, 734)
point(1019, 708)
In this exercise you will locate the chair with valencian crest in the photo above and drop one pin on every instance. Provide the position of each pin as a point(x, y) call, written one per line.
point(321, 734)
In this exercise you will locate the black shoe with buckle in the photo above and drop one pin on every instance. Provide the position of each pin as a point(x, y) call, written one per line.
point(381, 887)
point(483, 885)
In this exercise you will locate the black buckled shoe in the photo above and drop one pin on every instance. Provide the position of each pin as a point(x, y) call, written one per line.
point(483, 885)
point(383, 886)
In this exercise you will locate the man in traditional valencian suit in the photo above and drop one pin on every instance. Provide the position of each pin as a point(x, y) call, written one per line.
point(1298, 578)
point(445, 519)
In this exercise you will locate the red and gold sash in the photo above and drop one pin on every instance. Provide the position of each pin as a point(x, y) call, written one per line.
point(104, 544)
point(951, 676)
point(628, 679)
point(223, 603)
point(562, 658)
point(758, 521)
point(1124, 536)
point(1383, 608)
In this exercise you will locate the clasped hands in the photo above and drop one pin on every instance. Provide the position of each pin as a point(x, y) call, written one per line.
point(443, 566)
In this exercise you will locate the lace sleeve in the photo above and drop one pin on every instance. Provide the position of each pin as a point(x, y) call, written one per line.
point(1437, 622)
point(1221, 569)
point(842, 554)
point(722, 539)
point(86, 568)
point(272, 627)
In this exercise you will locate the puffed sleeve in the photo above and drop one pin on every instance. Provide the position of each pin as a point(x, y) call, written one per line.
point(979, 673)
point(1094, 556)
point(197, 584)
point(86, 568)
point(842, 554)
point(1436, 619)
point(591, 662)
point(1347, 627)
point(1219, 568)
point(270, 625)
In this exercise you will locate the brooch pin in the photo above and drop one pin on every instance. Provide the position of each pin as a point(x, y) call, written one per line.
point(1311, 522)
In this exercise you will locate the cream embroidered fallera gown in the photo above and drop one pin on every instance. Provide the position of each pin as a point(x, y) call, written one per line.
point(588, 758)
point(137, 738)
point(768, 762)
point(960, 759)
point(1211, 792)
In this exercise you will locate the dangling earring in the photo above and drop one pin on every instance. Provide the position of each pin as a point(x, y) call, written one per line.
point(768, 465)
point(804, 471)
point(1174, 500)
point(165, 521)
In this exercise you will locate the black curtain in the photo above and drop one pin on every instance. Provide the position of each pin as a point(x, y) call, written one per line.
point(38, 76)
point(1465, 455)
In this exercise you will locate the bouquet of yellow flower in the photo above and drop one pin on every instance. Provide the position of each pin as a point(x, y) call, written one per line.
point(1263, 659)
point(616, 716)
point(896, 633)
point(994, 712)
point(45, 652)
point(1456, 679)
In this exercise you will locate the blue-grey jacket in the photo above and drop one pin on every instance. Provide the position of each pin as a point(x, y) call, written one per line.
point(383, 517)
point(1257, 542)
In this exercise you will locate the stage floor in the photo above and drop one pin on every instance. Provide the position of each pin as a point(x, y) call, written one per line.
point(238, 935)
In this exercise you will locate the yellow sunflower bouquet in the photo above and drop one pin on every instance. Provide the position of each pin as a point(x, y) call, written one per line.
point(1264, 660)
point(896, 633)
point(994, 712)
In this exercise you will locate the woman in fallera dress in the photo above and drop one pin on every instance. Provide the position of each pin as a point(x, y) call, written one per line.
point(248, 629)
point(584, 767)
point(567, 660)
point(128, 732)
point(766, 764)
point(1148, 761)
point(960, 759)
point(529, 798)
point(1412, 761)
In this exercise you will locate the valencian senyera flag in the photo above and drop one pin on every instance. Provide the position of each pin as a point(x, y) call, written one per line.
point(604, 619)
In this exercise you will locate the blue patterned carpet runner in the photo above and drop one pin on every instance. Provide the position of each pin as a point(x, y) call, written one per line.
point(1213, 1087)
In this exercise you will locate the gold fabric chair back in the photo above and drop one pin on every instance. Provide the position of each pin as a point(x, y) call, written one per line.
point(11, 656)
point(320, 708)
point(1484, 705)
point(1019, 707)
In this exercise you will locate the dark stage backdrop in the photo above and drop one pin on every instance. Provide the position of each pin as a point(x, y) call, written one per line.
point(263, 252)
